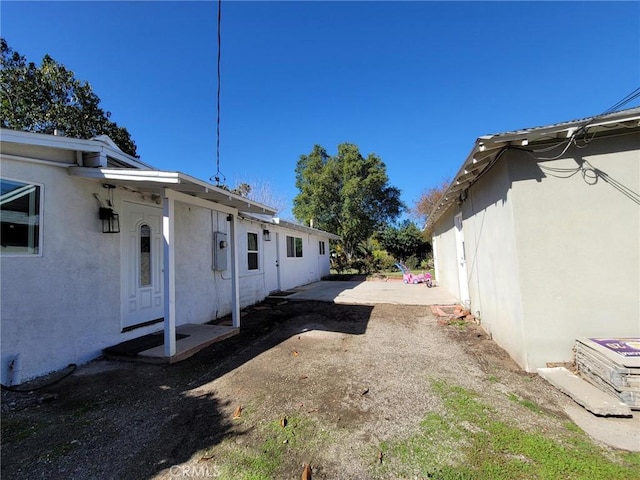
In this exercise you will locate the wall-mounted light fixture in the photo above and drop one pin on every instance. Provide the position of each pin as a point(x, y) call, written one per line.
point(267, 235)
point(110, 218)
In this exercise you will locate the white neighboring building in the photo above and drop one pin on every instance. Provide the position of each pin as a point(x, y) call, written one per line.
point(184, 252)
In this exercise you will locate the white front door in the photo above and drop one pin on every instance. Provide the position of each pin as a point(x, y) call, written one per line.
point(463, 281)
point(272, 263)
point(141, 264)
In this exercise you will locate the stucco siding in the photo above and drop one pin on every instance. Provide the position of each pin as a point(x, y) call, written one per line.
point(444, 246)
point(202, 293)
point(492, 260)
point(253, 288)
point(579, 246)
point(65, 303)
point(86, 290)
point(296, 271)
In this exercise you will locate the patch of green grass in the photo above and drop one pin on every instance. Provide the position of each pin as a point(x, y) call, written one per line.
point(278, 446)
point(525, 403)
point(471, 441)
point(459, 323)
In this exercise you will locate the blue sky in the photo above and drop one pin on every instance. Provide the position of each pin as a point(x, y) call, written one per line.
point(413, 82)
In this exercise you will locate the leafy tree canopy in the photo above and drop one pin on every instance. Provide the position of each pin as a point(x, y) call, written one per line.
point(404, 241)
point(49, 97)
point(346, 194)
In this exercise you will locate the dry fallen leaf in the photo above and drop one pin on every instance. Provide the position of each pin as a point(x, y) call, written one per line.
point(380, 455)
point(237, 412)
point(306, 472)
point(283, 422)
point(303, 377)
point(365, 391)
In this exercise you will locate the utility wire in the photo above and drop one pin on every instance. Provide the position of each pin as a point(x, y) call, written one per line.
point(632, 96)
point(218, 173)
point(583, 130)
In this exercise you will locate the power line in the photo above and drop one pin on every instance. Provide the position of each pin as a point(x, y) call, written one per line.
point(632, 96)
point(218, 172)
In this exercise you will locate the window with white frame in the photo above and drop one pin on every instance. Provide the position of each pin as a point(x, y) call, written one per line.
point(20, 209)
point(321, 247)
point(294, 247)
point(252, 251)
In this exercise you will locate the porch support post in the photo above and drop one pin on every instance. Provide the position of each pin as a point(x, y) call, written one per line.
point(168, 234)
point(235, 280)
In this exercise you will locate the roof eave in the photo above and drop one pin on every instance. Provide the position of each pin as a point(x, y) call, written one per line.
point(154, 181)
point(487, 147)
point(95, 145)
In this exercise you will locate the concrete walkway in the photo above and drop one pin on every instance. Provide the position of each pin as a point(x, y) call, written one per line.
point(373, 292)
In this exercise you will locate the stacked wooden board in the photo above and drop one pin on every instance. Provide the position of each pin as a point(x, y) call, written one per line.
point(611, 364)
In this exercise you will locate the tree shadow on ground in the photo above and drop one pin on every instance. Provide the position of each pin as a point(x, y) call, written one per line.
point(133, 420)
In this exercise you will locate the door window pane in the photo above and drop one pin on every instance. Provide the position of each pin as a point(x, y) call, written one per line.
point(145, 255)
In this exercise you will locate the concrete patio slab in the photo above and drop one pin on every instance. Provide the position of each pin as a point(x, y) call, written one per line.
point(373, 292)
point(197, 338)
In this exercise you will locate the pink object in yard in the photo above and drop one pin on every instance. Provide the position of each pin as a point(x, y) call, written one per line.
point(408, 277)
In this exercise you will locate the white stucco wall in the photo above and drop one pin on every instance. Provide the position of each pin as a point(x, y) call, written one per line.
point(296, 271)
point(253, 288)
point(202, 293)
point(64, 305)
point(579, 248)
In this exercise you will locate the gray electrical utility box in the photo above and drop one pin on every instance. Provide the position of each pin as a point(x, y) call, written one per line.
point(220, 247)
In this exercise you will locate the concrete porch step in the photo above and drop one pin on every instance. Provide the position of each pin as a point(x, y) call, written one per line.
point(196, 338)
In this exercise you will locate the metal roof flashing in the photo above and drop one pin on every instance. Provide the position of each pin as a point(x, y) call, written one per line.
point(488, 149)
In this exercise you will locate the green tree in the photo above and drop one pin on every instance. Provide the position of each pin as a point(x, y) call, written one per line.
point(404, 241)
point(48, 98)
point(346, 194)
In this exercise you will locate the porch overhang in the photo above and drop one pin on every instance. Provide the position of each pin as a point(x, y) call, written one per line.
point(171, 187)
point(156, 181)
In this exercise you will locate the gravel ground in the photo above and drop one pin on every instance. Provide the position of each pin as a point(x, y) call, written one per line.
point(362, 373)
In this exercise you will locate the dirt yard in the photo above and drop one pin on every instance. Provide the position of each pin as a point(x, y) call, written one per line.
point(339, 387)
